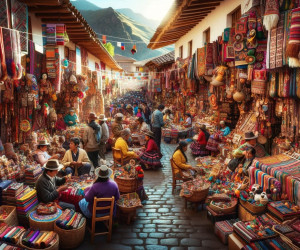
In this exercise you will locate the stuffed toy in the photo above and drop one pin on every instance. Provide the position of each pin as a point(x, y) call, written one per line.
point(263, 198)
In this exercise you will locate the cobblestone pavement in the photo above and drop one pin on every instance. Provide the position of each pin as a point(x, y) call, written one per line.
point(163, 222)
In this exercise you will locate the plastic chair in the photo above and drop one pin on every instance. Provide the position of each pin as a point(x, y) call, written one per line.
point(107, 218)
point(175, 178)
point(118, 152)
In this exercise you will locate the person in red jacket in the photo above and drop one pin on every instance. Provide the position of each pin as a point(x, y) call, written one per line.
point(198, 147)
point(151, 155)
point(60, 123)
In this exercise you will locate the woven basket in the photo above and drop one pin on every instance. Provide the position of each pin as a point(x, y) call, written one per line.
point(70, 239)
point(286, 239)
point(253, 208)
point(47, 225)
point(245, 215)
point(12, 218)
point(197, 196)
point(227, 210)
point(129, 209)
point(128, 185)
point(55, 246)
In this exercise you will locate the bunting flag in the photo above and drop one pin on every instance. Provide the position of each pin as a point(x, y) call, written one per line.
point(119, 44)
point(104, 39)
point(133, 50)
point(122, 46)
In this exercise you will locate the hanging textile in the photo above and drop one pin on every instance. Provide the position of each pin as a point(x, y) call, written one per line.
point(3, 69)
point(19, 14)
point(279, 45)
point(201, 61)
point(271, 16)
point(273, 43)
point(51, 34)
point(38, 62)
point(293, 48)
point(44, 34)
point(209, 66)
point(60, 34)
point(3, 13)
point(30, 58)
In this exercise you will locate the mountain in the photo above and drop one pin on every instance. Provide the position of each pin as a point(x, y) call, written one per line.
point(84, 5)
point(120, 28)
point(139, 18)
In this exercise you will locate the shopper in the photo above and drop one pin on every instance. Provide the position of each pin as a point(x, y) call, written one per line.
point(104, 136)
point(198, 147)
point(103, 187)
point(117, 126)
point(157, 123)
point(92, 138)
point(76, 160)
point(41, 155)
point(142, 126)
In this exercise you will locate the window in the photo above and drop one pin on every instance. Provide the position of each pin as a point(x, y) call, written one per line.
point(206, 36)
point(181, 51)
point(190, 48)
point(235, 16)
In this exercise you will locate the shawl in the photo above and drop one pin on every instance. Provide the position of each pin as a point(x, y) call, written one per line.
point(201, 61)
point(293, 47)
point(271, 16)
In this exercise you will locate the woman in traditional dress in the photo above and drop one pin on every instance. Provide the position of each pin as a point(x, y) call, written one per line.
point(198, 147)
point(224, 129)
point(151, 156)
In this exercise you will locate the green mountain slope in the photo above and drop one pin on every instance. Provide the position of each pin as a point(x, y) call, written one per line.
point(84, 5)
point(114, 24)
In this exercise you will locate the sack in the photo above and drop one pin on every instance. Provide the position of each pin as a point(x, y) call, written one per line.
point(233, 164)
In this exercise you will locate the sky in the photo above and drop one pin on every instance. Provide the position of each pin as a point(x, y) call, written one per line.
point(153, 9)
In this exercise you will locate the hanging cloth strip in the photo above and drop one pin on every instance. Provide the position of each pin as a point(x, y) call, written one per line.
point(30, 62)
point(4, 14)
point(280, 39)
point(3, 74)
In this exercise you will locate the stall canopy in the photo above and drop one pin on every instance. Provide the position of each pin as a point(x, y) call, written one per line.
point(79, 31)
point(181, 18)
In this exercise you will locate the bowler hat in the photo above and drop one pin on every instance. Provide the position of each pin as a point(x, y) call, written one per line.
point(250, 136)
point(92, 116)
point(103, 171)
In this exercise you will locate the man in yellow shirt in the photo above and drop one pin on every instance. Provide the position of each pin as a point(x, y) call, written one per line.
point(121, 143)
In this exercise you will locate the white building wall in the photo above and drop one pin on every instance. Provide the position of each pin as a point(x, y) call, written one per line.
point(217, 21)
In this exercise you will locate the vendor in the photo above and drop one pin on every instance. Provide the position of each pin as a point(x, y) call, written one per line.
point(60, 123)
point(71, 119)
point(49, 185)
point(188, 120)
point(140, 113)
point(251, 142)
point(249, 157)
point(151, 156)
point(142, 126)
point(41, 156)
point(76, 159)
point(121, 144)
point(180, 160)
point(198, 147)
point(117, 126)
point(167, 115)
point(224, 129)
point(103, 187)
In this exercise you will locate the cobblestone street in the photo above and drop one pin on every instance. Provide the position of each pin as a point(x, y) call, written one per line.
point(163, 222)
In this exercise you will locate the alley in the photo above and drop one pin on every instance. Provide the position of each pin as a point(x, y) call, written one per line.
point(163, 222)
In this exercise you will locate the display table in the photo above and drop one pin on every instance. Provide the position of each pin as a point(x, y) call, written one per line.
point(44, 222)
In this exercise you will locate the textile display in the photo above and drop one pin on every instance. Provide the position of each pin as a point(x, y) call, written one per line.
point(10, 234)
point(70, 220)
point(201, 61)
point(241, 26)
point(45, 218)
point(281, 211)
point(209, 59)
point(60, 34)
point(224, 228)
point(258, 85)
point(270, 244)
point(39, 239)
point(279, 45)
point(3, 69)
point(51, 34)
point(271, 16)
point(286, 170)
point(293, 47)
point(19, 14)
point(273, 42)
point(30, 62)
point(32, 173)
point(287, 26)
point(44, 34)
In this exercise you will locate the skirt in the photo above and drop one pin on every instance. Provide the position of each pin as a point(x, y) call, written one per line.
point(151, 158)
point(212, 144)
point(198, 149)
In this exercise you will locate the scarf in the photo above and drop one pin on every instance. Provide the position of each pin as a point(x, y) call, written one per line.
point(271, 16)
point(293, 47)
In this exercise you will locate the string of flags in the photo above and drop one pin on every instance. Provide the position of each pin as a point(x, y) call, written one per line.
point(120, 45)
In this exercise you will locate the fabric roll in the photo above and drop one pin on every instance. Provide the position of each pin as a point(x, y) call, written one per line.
point(37, 243)
point(46, 241)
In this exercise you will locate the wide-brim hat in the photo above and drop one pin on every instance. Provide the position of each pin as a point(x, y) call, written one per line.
point(250, 136)
point(103, 172)
point(72, 110)
point(102, 117)
point(43, 143)
point(149, 133)
point(119, 115)
point(53, 165)
point(92, 116)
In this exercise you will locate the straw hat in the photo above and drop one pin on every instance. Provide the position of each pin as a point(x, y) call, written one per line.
point(53, 165)
point(102, 118)
point(103, 172)
point(43, 143)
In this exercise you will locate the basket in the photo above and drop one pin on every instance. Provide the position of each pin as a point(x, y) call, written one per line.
point(253, 208)
point(244, 214)
point(55, 246)
point(12, 218)
point(70, 239)
point(197, 196)
point(127, 185)
point(125, 209)
point(286, 239)
point(44, 222)
point(227, 210)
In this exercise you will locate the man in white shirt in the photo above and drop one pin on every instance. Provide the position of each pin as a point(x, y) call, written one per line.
point(104, 137)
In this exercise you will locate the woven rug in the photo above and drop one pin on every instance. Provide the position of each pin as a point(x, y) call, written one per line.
point(273, 44)
point(201, 61)
point(60, 30)
point(280, 39)
point(19, 13)
point(51, 34)
point(209, 59)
